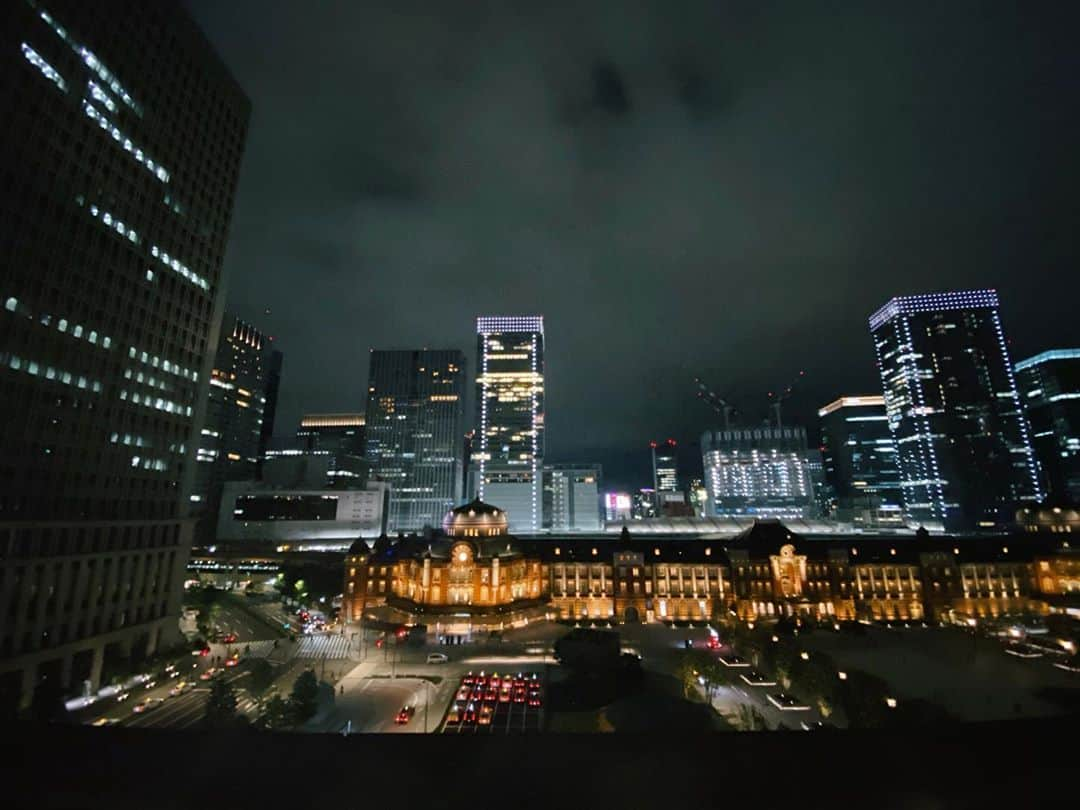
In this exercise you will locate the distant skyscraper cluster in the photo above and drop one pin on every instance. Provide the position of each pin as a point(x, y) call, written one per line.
point(1050, 390)
point(121, 147)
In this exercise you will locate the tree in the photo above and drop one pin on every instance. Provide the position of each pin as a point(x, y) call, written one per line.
point(220, 705)
point(818, 681)
point(863, 698)
point(262, 675)
point(304, 700)
point(275, 715)
point(750, 719)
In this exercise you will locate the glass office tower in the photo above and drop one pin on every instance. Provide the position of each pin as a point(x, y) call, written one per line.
point(860, 462)
point(962, 440)
point(509, 452)
point(758, 472)
point(414, 434)
point(1050, 390)
point(119, 157)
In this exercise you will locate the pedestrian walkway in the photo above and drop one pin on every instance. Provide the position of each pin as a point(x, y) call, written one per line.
point(322, 647)
point(257, 649)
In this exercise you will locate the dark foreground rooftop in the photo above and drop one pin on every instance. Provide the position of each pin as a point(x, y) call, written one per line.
point(1024, 763)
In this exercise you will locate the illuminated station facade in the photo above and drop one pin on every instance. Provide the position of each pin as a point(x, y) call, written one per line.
point(475, 576)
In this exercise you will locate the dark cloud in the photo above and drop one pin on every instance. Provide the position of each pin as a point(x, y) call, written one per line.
point(715, 189)
point(609, 92)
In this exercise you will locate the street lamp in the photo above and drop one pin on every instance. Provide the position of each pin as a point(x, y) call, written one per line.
point(842, 676)
point(805, 656)
point(890, 702)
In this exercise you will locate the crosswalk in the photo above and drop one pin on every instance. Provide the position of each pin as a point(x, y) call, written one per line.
point(257, 649)
point(322, 646)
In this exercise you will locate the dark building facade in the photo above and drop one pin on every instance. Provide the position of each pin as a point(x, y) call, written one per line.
point(962, 439)
point(1050, 389)
point(860, 462)
point(414, 432)
point(332, 432)
point(241, 402)
point(119, 157)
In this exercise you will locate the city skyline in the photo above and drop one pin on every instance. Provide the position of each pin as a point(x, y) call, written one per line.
point(624, 185)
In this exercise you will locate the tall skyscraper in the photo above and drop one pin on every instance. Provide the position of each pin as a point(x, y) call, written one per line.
point(414, 413)
point(334, 432)
point(572, 497)
point(119, 157)
point(962, 440)
point(242, 399)
point(665, 466)
point(860, 462)
point(758, 472)
point(1050, 390)
point(510, 412)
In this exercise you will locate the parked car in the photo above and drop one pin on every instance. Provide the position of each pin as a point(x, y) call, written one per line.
point(437, 658)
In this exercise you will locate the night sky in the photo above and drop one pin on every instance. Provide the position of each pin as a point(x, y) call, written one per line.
point(681, 189)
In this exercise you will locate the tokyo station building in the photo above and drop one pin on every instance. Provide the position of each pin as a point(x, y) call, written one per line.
point(475, 576)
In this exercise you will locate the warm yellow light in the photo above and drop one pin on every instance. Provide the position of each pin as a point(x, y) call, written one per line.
point(842, 676)
point(805, 656)
point(890, 702)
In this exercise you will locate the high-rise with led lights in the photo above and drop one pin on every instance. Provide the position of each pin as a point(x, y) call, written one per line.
point(758, 472)
point(119, 158)
point(962, 440)
point(241, 402)
point(508, 453)
point(1050, 390)
point(414, 435)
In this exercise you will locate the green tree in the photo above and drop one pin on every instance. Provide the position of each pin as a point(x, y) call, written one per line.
point(304, 699)
point(817, 680)
point(220, 705)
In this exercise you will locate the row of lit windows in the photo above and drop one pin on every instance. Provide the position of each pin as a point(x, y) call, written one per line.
point(160, 404)
point(146, 379)
point(164, 365)
point(154, 168)
point(35, 59)
point(112, 222)
point(179, 267)
point(62, 325)
point(34, 369)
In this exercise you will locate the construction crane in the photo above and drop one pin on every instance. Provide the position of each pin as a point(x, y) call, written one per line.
point(775, 401)
point(716, 402)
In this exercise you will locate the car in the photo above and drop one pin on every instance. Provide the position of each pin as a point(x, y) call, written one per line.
point(485, 716)
point(469, 679)
point(179, 689)
point(437, 658)
point(469, 715)
point(454, 716)
point(495, 681)
point(463, 693)
point(147, 705)
point(122, 697)
point(150, 684)
point(534, 699)
point(232, 662)
point(405, 715)
point(713, 643)
point(210, 673)
point(519, 695)
point(105, 721)
point(504, 694)
point(229, 638)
